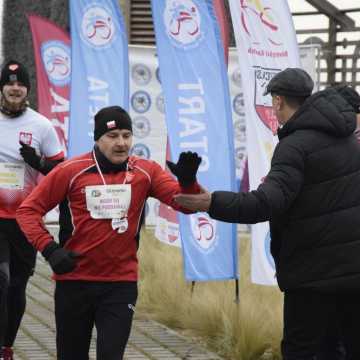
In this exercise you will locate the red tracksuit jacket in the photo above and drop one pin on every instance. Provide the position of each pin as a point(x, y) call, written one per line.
point(107, 255)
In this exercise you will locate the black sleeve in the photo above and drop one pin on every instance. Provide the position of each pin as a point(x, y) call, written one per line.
point(242, 208)
point(65, 222)
point(272, 198)
point(47, 165)
point(141, 224)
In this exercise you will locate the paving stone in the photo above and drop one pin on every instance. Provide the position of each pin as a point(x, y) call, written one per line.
point(149, 340)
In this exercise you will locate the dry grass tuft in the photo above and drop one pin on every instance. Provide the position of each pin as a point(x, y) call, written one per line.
point(242, 331)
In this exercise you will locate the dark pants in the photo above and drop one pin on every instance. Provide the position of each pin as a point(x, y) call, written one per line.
point(308, 316)
point(79, 305)
point(332, 346)
point(17, 261)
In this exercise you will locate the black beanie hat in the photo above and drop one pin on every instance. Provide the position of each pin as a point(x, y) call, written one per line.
point(14, 71)
point(111, 118)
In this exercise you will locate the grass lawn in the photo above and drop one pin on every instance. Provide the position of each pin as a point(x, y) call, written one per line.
point(250, 330)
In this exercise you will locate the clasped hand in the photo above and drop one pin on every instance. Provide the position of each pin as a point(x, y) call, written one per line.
point(195, 202)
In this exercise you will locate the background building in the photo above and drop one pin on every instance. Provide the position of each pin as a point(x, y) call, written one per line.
point(332, 24)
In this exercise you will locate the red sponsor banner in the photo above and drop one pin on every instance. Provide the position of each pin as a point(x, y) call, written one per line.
point(53, 69)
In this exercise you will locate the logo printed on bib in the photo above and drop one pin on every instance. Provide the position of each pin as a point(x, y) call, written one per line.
point(95, 193)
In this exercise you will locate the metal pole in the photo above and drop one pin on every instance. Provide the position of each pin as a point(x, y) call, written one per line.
point(192, 287)
point(331, 52)
point(237, 291)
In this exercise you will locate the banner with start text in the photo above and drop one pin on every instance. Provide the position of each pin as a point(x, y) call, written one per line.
point(198, 117)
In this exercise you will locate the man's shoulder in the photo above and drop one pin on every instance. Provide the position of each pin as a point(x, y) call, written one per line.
point(36, 116)
point(36, 119)
point(29, 117)
point(78, 163)
point(136, 161)
point(305, 141)
point(294, 141)
point(147, 167)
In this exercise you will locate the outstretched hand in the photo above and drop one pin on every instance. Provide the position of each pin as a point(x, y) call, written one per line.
point(186, 168)
point(195, 202)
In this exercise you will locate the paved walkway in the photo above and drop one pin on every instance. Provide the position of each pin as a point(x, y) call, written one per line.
point(148, 341)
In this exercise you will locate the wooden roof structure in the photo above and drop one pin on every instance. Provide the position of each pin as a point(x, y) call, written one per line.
point(339, 41)
point(340, 53)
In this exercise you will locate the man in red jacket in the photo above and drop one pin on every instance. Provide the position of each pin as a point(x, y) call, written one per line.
point(96, 268)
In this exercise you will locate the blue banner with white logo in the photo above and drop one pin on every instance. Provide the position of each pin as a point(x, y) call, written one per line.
point(198, 116)
point(100, 67)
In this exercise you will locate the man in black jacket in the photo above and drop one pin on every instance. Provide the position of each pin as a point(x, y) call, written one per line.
point(333, 347)
point(311, 196)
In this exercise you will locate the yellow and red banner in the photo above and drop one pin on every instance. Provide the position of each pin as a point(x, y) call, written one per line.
point(266, 44)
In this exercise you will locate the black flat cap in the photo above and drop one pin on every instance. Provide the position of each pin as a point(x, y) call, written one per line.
point(350, 95)
point(291, 82)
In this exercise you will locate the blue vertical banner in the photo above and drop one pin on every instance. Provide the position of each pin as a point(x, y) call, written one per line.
point(198, 117)
point(100, 66)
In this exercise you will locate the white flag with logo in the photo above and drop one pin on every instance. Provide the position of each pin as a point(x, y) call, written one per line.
point(266, 44)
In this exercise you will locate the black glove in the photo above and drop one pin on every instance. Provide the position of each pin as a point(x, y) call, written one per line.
point(61, 260)
point(186, 168)
point(29, 155)
point(35, 161)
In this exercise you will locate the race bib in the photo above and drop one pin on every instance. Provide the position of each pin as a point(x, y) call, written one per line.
point(108, 201)
point(12, 176)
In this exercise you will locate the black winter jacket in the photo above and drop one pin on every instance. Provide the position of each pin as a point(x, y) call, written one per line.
point(311, 197)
